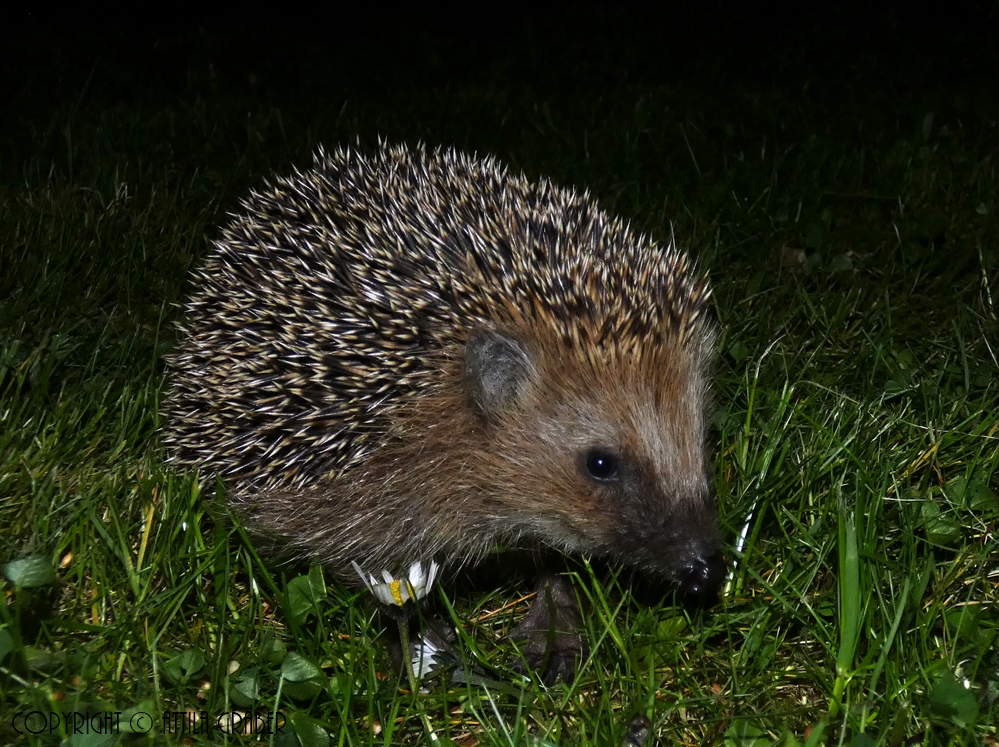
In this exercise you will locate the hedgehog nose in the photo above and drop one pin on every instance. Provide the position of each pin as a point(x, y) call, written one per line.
point(702, 575)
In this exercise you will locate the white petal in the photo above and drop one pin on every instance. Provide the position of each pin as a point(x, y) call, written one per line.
point(433, 574)
point(424, 658)
point(383, 594)
point(364, 579)
point(416, 577)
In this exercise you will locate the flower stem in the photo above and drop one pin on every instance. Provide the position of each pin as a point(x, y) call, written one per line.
point(414, 686)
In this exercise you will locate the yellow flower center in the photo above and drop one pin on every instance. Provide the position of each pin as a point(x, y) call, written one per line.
point(395, 588)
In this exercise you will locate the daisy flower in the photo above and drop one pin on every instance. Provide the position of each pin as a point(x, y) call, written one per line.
point(396, 592)
point(425, 657)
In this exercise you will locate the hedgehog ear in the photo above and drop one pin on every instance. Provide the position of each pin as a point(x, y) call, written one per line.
point(497, 367)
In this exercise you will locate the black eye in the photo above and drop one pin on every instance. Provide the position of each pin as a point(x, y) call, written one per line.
point(601, 465)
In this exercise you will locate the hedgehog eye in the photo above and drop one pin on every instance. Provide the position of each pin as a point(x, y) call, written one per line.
point(601, 465)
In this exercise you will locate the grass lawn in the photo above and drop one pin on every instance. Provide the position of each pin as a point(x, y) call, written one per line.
point(843, 194)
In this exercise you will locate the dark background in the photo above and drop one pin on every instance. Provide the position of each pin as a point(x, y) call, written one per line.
point(660, 115)
point(309, 66)
point(360, 50)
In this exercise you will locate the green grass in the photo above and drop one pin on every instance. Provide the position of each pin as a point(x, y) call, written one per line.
point(852, 240)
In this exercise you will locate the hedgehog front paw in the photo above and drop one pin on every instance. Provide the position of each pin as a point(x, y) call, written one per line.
point(549, 656)
point(550, 640)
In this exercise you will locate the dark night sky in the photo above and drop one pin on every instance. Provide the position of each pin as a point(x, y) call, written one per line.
point(589, 49)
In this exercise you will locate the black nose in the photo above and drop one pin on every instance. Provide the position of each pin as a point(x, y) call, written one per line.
point(702, 575)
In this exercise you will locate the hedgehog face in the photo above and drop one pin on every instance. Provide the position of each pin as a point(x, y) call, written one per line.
point(640, 482)
point(601, 456)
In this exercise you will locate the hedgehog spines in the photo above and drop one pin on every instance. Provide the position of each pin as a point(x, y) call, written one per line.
point(335, 295)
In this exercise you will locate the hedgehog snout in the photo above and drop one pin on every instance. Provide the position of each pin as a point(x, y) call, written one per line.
point(702, 571)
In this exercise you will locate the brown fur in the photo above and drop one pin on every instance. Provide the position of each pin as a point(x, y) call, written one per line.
point(447, 484)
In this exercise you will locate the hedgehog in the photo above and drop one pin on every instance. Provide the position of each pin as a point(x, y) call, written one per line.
point(420, 356)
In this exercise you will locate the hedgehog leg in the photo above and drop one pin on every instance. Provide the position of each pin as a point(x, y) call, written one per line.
point(550, 636)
